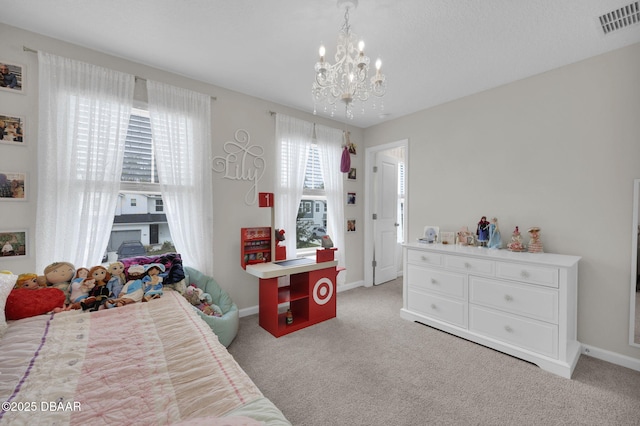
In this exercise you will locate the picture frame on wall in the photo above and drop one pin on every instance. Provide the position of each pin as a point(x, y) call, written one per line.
point(13, 244)
point(351, 198)
point(352, 174)
point(351, 225)
point(12, 130)
point(12, 76)
point(13, 186)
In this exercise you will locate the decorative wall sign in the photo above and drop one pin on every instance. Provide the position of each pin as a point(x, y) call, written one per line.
point(242, 162)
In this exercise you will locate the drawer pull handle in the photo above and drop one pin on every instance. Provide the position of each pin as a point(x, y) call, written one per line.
point(508, 297)
point(524, 274)
point(434, 281)
point(424, 258)
point(508, 329)
point(467, 265)
point(433, 306)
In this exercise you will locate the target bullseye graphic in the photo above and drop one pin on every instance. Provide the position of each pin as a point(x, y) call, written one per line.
point(322, 291)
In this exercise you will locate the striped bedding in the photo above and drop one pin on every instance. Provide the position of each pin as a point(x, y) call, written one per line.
point(148, 363)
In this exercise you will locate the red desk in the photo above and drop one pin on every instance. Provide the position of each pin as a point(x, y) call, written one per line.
point(310, 293)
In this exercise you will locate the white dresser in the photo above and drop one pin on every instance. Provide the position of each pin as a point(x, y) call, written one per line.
point(522, 304)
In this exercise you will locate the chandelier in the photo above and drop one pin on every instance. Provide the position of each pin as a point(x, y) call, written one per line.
point(347, 80)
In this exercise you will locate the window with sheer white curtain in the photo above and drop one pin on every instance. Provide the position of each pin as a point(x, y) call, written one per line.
point(293, 144)
point(181, 128)
point(83, 117)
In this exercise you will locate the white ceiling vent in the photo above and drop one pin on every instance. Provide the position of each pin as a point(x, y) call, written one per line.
point(620, 18)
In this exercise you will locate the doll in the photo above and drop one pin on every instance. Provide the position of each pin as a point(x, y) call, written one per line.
point(483, 231)
point(80, 288)
point(153, 281)
point(116, 269)
point(28, 281)
point(99, 293)
point(132, 291)
point(495, 241)
point(58, 275)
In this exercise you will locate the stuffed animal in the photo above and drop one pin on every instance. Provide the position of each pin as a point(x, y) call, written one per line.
point(133, 290)
point(58, 275)
point(153, 281)
point(202, 301)
point(28, 281)
point(116, 269)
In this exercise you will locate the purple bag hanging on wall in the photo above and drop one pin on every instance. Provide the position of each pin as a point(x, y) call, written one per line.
point(345, 162)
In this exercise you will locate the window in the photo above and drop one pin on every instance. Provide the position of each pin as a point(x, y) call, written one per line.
point(312, 213)
point(143, 217)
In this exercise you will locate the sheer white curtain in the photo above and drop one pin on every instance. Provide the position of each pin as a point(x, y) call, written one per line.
point(330, 143)
point(293, 140)
point(83, 118)
point(181, 128)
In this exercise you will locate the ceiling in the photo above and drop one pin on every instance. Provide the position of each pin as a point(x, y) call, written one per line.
point(432, 51)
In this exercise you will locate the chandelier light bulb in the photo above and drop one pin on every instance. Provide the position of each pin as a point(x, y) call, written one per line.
point(322, 52)
point(378, 64)
point(361, 47)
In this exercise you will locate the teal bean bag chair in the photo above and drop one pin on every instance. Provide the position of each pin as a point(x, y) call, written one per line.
point(226, 326)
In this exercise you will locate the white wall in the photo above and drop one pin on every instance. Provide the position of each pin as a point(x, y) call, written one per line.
point(560, 151)
point(230, 112)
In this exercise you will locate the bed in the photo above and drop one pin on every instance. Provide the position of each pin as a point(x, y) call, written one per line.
point(147, 363)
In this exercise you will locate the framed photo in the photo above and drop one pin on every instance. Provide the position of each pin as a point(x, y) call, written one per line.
point(352, 174)
point(431, 235)
point(13, 186)
point(352, 148)
point(13, 243)
point(12, 77)
point(351, 198)
point(351, 225)
point(447, 237)
point(11, 129)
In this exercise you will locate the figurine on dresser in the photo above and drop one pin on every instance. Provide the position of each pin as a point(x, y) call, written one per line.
point(516, 241)
point(483, 232)
point(495, 241)
point(535, 245)
point(465, 237)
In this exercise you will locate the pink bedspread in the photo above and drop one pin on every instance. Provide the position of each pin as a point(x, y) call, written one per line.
point(146, 363)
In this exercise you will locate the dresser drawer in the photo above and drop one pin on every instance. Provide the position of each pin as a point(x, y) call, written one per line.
point(528, 274)
point(532, 301)
point(418, 257)
point(437, 281)
point(441, 308)
point(470, 265)
point(537, 336)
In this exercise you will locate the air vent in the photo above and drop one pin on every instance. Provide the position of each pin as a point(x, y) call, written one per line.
point(620, 18)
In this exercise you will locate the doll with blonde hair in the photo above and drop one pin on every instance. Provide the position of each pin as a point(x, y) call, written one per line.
point(28, 280)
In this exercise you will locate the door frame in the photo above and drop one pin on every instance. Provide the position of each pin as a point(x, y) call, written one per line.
point(369, 162)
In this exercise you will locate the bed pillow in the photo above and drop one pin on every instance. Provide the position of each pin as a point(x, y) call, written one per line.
point(7, 281)
point(25, 302)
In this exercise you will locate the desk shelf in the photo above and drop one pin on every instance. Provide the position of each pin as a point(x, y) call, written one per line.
point(311, 296)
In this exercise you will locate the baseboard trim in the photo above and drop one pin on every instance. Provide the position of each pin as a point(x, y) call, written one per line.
point(253, 310)
point(612, 357)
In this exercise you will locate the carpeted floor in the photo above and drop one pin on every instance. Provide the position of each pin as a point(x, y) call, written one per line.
point(370, 367)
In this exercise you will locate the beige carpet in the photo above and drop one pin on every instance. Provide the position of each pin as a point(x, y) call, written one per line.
point(370, 367)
